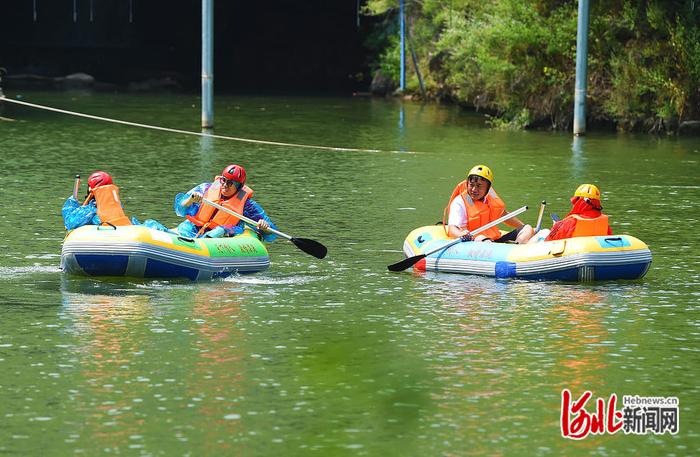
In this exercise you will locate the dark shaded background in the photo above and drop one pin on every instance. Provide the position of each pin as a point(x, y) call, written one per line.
point(260, 46)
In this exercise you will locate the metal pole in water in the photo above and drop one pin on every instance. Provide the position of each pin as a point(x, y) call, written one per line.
point(207, 64)
point(402, 24)
point(581, 68)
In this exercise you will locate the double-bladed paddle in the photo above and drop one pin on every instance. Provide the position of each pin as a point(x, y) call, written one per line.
point(311, 247)
point(409, 262)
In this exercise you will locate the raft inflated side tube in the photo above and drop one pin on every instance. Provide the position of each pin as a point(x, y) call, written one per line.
point(141, 252)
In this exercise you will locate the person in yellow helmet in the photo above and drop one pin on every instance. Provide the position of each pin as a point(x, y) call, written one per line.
point(586, 217)
point(474, 203)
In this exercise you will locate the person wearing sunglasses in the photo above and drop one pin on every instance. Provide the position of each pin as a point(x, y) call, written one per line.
point(228, 190)
point(474, 203)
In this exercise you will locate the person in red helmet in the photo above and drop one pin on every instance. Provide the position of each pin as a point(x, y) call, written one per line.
point(584, 219)
point(102, 204)
point(228, 190)
point(97, 179)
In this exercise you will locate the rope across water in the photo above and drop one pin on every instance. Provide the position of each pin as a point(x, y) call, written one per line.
point(187, 132)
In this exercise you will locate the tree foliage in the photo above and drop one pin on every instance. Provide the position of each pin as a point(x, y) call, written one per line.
point(516, 58)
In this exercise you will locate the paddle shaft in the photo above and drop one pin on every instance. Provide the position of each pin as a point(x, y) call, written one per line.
point(247, 220)
point(539, 216)
point(480, 229)
point(76, 187)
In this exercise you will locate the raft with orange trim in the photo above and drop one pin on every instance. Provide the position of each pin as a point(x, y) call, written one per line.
point(589, 258)
point(141, 252)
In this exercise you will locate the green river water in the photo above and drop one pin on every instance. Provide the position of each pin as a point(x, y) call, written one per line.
point(335, 356)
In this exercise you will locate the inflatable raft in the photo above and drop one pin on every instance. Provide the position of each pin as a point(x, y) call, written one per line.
point(592, 258)
point(142, 252)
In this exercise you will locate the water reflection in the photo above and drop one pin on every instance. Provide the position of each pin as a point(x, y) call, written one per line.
point(493, 337)
point(207, 159)
point(111, 387)
point(148, 350)
point(218, 368)
point(578, 160)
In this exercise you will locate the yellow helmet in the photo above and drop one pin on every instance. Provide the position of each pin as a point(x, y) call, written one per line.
point(483, 171)
point(587, 191)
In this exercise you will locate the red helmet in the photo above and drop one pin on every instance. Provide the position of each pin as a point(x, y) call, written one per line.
point(234, 172)
point(99, 178)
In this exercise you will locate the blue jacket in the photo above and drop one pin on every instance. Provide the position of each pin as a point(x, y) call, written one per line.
point(75, 215)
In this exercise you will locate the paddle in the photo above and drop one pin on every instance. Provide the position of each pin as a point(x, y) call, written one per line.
point(311, 247)
point(409, 262)
point(539, 216)
point(76, 187)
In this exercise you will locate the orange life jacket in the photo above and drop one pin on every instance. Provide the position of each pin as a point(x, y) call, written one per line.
point(590, 227)
point(479, 213)
point(209, 217)
point(109, 207)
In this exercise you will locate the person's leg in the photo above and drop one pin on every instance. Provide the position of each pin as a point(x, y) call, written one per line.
point(187, 229)
point(520, 235)
point(539, 236)
point(524, 234)
point(508, 237)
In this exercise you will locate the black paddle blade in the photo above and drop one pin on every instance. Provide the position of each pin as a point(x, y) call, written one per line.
point(311, 247)
point(405, 263)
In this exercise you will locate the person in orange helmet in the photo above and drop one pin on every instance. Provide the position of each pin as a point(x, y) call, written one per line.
point(585, 218)
point(228, 190)
point(474, 203)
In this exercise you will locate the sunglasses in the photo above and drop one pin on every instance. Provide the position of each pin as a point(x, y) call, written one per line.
point(228, 182)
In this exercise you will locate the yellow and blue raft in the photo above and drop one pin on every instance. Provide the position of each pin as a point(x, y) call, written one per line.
point(142, 252)
point(591, 258)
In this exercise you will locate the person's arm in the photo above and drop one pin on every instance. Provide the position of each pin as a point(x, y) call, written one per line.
point(75, 215)
point(456, 219)
point(562, 229)
point(456, 232)
point(513, 222)
point(187, 204)
point(254, 211)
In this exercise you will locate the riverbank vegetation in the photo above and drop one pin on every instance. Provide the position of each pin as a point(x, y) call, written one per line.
point(515, 59)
